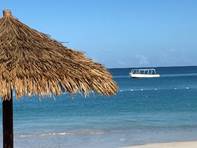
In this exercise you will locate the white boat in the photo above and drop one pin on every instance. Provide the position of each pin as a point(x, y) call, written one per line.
point(144, 73)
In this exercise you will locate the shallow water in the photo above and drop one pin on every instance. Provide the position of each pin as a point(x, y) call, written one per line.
point(144, 111)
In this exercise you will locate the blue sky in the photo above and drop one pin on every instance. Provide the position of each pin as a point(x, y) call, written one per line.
point(118, 33)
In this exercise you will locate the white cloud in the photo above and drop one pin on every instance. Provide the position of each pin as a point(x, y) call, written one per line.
point(142, 60)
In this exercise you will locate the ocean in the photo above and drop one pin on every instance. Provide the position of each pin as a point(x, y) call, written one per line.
point(143, 111)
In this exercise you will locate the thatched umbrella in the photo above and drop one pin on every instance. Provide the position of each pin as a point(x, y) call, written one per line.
point(31, 63)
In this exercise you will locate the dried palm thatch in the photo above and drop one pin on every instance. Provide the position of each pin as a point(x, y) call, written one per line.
point(31, 63)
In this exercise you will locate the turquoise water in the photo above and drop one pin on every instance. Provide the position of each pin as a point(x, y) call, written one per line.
point(143, 111)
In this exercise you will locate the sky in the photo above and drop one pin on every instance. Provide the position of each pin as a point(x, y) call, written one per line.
point(117, 33)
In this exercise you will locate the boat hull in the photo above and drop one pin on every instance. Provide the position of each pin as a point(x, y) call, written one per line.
point(144, 75)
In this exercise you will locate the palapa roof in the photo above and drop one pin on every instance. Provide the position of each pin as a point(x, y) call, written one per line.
point(31, 63)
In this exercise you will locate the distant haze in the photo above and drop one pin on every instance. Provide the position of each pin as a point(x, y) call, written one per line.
point(118, 33)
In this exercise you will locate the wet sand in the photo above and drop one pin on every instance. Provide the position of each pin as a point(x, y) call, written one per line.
point(191, 144)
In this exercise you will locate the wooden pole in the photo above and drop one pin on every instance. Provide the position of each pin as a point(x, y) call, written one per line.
point(7, 109)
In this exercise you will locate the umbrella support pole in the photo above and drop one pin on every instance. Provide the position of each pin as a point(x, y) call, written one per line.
point(7, 111)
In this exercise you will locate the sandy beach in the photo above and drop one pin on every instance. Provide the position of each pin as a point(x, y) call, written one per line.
point(191, 144)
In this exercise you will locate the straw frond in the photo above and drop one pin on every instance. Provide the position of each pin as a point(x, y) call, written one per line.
point(31, 63)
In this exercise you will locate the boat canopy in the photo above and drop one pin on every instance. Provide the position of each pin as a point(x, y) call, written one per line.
point(143, 71)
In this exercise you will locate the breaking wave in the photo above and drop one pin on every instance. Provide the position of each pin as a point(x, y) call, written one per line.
point(153, 89)
point(80, 132)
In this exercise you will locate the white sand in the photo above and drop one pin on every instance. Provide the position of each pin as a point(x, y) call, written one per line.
point(192, 144)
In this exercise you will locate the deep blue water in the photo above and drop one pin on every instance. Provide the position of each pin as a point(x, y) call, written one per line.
point(143, 111)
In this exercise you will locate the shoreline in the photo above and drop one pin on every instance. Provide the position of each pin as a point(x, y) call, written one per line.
point(184, 144)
